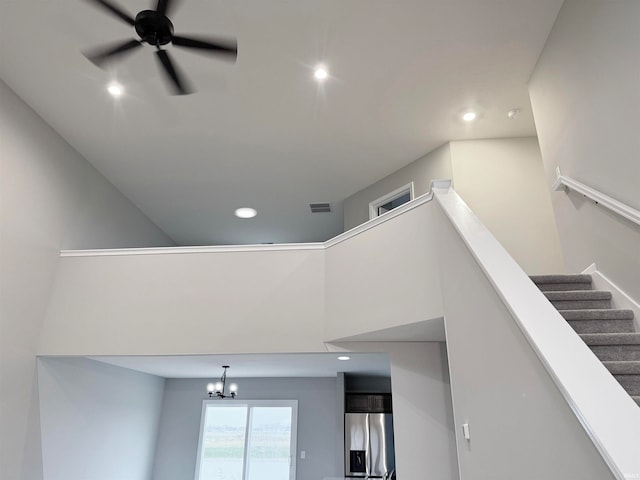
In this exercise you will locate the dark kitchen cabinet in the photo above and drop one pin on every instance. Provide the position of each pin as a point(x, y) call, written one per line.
point(368, 403)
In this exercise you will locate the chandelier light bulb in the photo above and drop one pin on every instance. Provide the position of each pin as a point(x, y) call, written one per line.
point(211, 388)
point(218, 387)
point(233, 388)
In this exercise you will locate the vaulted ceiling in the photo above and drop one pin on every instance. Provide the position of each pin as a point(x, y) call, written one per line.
point(262, 132)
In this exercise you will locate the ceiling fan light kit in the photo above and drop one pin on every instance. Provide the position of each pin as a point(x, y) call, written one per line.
point(156, 29)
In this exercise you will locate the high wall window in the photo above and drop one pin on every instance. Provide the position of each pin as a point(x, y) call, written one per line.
point(247, 440)
point(391, 200)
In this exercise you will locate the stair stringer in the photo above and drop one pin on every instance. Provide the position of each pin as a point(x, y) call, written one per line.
point(620, 299)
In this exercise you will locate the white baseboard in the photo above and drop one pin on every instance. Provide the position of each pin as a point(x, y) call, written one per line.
point(619, 298)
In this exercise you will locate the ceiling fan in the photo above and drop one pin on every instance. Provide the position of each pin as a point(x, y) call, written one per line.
point(154, 28)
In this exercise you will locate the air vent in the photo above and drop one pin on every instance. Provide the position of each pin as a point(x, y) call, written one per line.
point(320, 207)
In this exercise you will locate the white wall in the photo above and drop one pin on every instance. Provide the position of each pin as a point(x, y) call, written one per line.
point(51, 199)
point(521, 426)
point(384, 277)
point(422, 413)
point(584, 94)
point(99, 422)
point(433, 166)
point(317, 427)
point(503, 182)
point(220, 302)
point(291, 300)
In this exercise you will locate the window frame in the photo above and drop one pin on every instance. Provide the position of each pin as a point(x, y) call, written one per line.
point(389, 197)
point(293, 447)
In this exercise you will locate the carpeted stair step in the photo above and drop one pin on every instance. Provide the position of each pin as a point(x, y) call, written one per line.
point(576, 300)
point(550, 283)
point(623, 368)
point(627, 374)
point(600, 320)
point(614, 346)
point(631, 383)
point(610, 333)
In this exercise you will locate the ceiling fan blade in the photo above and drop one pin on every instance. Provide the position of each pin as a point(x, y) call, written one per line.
point(165, 6)
point(180, 86)
point(227, 48)
point(117, 11)
point(106, 54)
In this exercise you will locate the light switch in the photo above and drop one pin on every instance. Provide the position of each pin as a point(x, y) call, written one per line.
point(465, 431)
point(303, 454)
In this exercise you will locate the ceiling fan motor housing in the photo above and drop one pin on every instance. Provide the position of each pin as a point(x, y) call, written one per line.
point(153, 28)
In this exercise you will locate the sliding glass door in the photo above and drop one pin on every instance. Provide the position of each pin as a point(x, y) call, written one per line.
point(247, 440)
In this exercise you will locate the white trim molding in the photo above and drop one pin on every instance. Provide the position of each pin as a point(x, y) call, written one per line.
point(416, 202)
point(184, 250)
point(422, 199)
point(598, 197)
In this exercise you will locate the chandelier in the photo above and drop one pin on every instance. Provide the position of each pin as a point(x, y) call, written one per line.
point(218, 389)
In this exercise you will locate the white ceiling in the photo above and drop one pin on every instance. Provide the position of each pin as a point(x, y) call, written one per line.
point(261, 132)
point(250, 366)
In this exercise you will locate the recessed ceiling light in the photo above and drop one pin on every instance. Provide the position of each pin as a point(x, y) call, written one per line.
point(344, 357)
point(115, 90)
point(320, 73)
point(469, 116)
point(246, 212)
point(513, 114)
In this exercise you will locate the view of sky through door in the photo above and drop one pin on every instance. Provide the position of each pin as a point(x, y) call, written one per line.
point(247, 441)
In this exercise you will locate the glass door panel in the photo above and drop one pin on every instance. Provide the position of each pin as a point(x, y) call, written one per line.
point(252, 440)
point(269, 445)
point(223, 443)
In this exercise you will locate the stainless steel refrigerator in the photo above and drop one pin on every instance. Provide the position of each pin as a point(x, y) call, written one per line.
point(368, 442)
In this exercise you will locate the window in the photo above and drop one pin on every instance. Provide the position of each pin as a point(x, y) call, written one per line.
point(391, 200)
point(247, 440)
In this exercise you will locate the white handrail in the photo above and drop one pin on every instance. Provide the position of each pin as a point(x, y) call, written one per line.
point(609, 416)
point(600, 198)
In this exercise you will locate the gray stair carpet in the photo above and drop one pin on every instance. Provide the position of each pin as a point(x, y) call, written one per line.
point(610, 333)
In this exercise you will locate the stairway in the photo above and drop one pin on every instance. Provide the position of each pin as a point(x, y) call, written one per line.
point(610, 333)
